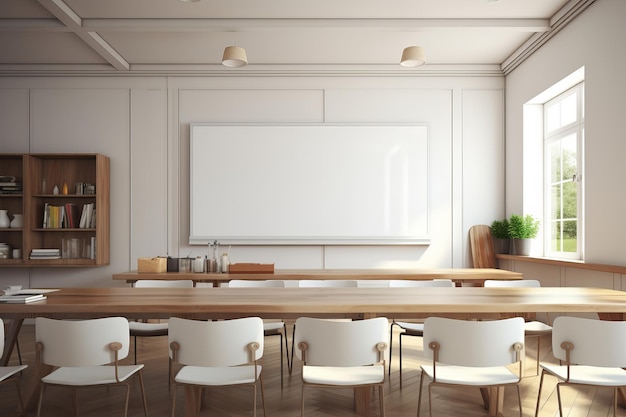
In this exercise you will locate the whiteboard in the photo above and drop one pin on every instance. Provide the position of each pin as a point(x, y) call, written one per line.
point(308, 184)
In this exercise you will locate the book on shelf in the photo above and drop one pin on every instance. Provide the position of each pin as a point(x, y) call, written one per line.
point(72, 216)
point(54, 216)
point(21, 298)
point(87, 217)
point(11, 188)
point(67, 216)
point(92, 248)
point(45, 254)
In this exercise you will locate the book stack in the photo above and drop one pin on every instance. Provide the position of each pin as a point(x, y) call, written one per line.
point(45, 254)
point(21, 298)
point(67, 216)
point(9, 185)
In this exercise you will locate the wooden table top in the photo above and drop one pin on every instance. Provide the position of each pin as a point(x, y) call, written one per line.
point(320, 302)
point(293, 302)
point(474, 275)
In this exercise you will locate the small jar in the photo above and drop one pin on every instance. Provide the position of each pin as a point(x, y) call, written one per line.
point(184, 265)
point(225, 263)
point(198, 264)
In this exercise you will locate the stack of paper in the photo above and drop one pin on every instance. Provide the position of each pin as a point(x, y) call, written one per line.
point(21, 298)
point(24, 296)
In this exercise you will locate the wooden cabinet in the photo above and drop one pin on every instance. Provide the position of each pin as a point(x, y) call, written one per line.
point(72, 174)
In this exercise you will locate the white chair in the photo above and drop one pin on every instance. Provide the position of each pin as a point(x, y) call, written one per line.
point(85, 353)
point(592, 353)
point(319, 283)
point(532, 328)
point(147, 329)
point(473, 353)
point(407, 328)
point(342, 354)
point(327, 283)
point(271, 328)
point(217, 354)
point(9, 373)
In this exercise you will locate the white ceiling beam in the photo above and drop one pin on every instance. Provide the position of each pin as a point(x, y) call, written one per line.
point(72, 21)
point(62, 11)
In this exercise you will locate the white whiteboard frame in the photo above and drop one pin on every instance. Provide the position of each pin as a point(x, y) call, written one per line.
point(215, 145)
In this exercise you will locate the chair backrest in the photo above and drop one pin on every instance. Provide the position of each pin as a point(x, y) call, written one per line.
point(519, 283)
point(402, 283)
point(81, 342)
point(327, 283)
point(216, 343)
point(474, 343)
point(164, 283)
point(481, 245)
point(341, 343)
point(596, 342)
point(531, 283)
point(243, 283)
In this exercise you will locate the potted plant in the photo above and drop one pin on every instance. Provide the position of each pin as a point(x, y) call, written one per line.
point(522, 229)
point(500, 234)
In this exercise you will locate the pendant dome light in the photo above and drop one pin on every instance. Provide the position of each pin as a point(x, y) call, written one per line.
point(234, 57)
point(412, 56)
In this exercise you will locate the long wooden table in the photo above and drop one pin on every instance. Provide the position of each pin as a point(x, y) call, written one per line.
point(216, 303)
point(458, 275)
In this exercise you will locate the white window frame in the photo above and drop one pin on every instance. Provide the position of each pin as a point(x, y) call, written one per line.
point(576, 127)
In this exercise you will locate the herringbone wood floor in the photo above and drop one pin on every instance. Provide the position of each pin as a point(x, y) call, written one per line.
point(285, 402)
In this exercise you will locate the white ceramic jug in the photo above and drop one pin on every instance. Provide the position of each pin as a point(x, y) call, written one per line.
point(4, 219)
point(17, 221)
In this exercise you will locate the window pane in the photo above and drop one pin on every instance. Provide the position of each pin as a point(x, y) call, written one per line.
point(569, 156)
point(555, 207)
point(570, 241)
point(568, 110)
point(553, 119)
point(555, 162)
point(570, 208)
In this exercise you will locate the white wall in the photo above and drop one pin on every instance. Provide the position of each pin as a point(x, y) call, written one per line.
point(142, 124)
point(591, 40)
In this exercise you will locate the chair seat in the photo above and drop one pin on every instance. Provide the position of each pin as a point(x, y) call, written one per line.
point(273, 327)
point(536, 328)
point(589, 375)
point(337, 375)
point(416, 329)
point(216, 376)
point(462, 375)
point(7, 371)
point(138, 328)
point(90, 375)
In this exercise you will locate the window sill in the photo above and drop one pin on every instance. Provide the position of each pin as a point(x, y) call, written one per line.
point(564, 263)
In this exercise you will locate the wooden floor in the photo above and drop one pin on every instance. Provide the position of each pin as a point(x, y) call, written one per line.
point(285, 402)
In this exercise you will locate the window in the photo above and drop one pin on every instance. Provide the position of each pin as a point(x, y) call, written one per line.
point(564, 123)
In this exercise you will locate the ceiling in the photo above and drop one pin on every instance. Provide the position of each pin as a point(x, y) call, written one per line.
point(175, 37)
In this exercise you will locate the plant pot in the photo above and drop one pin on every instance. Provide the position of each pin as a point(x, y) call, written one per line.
point(501, 245)
point(521, 247)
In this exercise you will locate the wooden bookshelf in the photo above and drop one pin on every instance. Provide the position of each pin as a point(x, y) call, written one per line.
point(39, 174)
